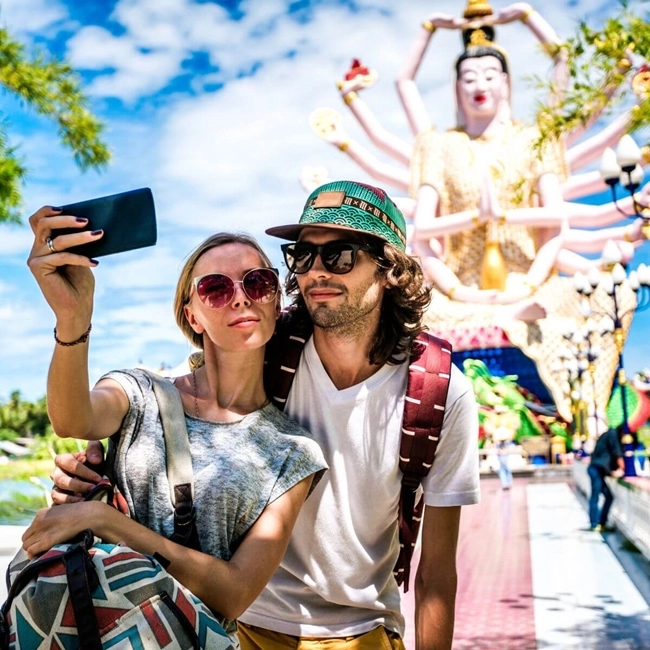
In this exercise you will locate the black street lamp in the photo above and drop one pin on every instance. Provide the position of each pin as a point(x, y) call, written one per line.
point(622, 168)
point(614, 282)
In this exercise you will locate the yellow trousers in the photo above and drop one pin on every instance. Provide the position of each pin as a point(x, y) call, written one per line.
point(257, 638)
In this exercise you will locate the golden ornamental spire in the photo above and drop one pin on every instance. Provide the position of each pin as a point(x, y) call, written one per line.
point(478, 38)
point(477, 9)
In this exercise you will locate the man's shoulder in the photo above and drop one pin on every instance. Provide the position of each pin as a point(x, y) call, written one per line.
point(290, 326)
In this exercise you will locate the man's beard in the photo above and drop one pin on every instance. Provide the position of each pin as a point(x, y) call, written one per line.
point(349, 319)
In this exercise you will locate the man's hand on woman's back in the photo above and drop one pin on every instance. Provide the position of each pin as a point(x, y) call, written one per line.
point(73, 476)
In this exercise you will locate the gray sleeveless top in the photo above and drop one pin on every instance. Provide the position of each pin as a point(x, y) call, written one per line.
point(239, 467)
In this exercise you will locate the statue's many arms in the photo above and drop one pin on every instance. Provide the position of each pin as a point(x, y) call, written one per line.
point(492, 219)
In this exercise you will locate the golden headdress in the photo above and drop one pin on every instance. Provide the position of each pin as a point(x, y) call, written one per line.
point(477, 9)
point(480, 36)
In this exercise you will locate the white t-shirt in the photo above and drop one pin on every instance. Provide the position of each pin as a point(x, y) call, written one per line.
point(336, 578)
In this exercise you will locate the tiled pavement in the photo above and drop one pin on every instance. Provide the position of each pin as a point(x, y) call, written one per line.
point(531, 577)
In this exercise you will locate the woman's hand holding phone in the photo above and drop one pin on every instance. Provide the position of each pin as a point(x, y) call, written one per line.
point(64, 277)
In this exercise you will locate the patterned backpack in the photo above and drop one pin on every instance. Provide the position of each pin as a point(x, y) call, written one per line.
point(424, 409)
point(89, 595)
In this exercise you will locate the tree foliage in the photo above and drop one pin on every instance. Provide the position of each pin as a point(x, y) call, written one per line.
point(53, 89)
point(21, 418)
point(602, 75)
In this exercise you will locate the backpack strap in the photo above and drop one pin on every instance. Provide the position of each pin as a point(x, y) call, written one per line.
point(179, 460)
point(82, 580)
point(283, 354)
point(424, 410)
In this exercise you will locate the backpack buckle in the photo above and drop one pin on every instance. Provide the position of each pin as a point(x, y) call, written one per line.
point(411, 481)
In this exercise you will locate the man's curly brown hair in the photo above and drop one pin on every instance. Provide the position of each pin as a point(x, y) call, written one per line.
point(402, 308)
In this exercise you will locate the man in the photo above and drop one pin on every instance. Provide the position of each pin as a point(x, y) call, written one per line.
point(606, 460)
point(351, 277)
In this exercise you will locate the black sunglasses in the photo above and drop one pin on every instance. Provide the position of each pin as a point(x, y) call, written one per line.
point(337, 256)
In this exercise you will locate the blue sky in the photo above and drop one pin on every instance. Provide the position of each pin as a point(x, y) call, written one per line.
point(208, 104)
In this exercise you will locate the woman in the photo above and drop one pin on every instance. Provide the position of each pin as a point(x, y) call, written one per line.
point(253, 467)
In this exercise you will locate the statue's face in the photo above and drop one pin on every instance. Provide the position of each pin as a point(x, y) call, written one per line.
point(482, 86)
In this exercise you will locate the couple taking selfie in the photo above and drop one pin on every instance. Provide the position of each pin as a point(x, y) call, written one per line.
point(297, 510)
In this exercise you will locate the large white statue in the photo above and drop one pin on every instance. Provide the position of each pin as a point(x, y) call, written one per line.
point(492, 219)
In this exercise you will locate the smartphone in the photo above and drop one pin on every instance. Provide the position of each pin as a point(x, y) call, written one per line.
point(128, 220)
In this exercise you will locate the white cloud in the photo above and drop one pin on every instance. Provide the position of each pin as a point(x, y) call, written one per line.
point(95, 48)
point(15, 240)
point(31, 15)
point(151, 268)
point(136, 72)
point(26, 341)
point(158, 37)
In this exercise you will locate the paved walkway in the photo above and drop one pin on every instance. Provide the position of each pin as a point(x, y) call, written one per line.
point(532, 577)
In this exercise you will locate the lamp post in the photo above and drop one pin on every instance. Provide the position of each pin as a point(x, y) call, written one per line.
point(613, 282)
point(577, 360)
point(622, 167)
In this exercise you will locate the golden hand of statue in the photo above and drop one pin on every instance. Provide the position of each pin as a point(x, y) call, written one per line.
point(488, 205)
point(445, 21)
point(509, 14)
point(326, 123)
point(637, 231)
point(643, 196)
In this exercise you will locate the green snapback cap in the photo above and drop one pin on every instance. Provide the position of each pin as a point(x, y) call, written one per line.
point(349, 206)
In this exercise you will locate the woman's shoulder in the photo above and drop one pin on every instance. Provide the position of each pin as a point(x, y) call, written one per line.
point(293, 447)
point(282, 424)
point(288, 432)
point(136, 382)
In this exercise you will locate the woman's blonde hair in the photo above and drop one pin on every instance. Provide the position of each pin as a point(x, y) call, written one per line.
point(184, 285)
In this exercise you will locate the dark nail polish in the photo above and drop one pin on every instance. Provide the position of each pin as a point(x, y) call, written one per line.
point(52, 207)
point(81, 219)
point(96, 232)
point(93, 261)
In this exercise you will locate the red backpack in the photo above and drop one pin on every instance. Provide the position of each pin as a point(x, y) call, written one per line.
point(424, 409)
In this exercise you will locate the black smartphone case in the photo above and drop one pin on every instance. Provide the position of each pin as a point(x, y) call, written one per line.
point(128, 220)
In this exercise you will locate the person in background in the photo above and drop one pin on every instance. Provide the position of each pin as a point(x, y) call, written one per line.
point(606, 460)
point(504, 448)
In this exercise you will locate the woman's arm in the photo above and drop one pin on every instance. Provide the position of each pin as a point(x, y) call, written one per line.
point(67, 283)
point(226, 587)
